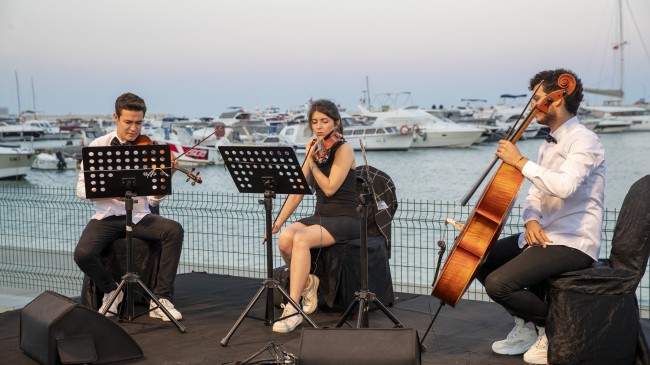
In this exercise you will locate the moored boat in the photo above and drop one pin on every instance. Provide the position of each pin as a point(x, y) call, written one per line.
point(54, 161)
point(15, 162)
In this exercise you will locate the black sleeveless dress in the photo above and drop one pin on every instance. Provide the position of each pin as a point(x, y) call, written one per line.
point(337, 213)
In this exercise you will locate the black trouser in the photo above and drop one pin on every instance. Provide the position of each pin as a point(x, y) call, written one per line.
point(98, 234)
point(509, 272)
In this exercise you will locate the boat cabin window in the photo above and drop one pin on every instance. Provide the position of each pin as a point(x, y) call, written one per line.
point(347, 132)
point(358, 132)
point(371, 131)
point(381, 131)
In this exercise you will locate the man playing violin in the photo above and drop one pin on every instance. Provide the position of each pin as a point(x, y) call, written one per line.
point(563, 214)
point(330, 168)
point(107, 224)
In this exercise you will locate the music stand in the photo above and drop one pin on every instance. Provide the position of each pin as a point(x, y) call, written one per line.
point(268, 170)
point(127, 172)
point(365, 296)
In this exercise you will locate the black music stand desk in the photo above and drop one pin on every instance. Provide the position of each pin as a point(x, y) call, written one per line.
point(267, 170)
point(126, 172)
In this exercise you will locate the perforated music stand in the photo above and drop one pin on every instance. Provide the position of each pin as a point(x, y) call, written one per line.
point(268, 170)
point(127, 172)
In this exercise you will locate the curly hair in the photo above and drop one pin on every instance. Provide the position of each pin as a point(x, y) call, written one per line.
point(549, 79)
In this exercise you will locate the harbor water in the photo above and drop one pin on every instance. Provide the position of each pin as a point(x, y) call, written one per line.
point(444, 174)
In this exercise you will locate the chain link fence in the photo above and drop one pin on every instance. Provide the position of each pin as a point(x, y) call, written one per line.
point(224, 235)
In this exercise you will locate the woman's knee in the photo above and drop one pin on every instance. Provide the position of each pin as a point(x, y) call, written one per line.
point(302, 240)
point(285, 243)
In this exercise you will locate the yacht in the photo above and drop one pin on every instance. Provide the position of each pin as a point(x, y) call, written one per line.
point(375, 137)
point(425, 129)
point(15, 161)
point(614, 119)
point(11, 131)
point(54, 161)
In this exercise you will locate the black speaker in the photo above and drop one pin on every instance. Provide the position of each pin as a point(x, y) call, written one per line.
point(376, 346)
point(55, 329)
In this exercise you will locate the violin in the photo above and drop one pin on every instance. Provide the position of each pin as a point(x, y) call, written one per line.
point(143, 140)
point(324, 147)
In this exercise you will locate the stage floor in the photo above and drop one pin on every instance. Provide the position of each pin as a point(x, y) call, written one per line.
point(211, 305)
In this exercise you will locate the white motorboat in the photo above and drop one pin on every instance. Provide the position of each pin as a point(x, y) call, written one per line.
point(237, 114)
point(613, 119)
point(375, 137)
point(426, 130)
point(15, 162)
point(491, 131)
point(54, 161)
point(11, 131)
point(612, 125)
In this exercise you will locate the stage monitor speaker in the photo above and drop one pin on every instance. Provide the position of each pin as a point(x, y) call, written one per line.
point(376, 346)
point(55, 329)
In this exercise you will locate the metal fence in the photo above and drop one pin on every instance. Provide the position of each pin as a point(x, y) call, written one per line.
point(224, 232)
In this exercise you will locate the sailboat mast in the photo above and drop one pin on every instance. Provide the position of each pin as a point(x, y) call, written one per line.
point(368, 92)
point(33, 98)
point(621, 43)
point(18, 93)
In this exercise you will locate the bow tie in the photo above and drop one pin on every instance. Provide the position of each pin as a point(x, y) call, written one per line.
point(550, 139)
point(116, 142)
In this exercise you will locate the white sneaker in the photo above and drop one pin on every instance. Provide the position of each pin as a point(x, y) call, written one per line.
point(290, 323)
point(519, 340)
point(112, 311)
point(538, 352)
point(310, 295)
point(158, 313)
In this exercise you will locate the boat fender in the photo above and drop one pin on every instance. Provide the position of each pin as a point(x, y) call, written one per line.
point(404, 130)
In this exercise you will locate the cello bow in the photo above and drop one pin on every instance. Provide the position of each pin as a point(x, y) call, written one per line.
point(484, 224)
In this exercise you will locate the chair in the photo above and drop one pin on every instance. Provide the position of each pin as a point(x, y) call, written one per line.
point(593, 313)
point(337, 266)
point(146, 262)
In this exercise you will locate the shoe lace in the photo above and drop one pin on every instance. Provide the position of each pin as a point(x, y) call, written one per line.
point(166, 303)
point(518, 330)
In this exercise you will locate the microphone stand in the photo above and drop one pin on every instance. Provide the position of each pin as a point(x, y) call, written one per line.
point(442, 245)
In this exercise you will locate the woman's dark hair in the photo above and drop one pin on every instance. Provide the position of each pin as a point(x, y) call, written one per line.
point(129, 101)
point(549, 84)
point(328, 108)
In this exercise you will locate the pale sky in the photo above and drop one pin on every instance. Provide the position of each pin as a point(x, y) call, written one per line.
point(195, 58)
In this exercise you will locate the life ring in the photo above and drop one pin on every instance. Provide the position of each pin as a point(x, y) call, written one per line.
point(404, 130)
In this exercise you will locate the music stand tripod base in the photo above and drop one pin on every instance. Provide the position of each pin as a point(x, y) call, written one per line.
point(271, 171)
point(364, 296)
point(141, 171)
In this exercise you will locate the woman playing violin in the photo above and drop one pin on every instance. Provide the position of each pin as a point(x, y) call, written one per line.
point(330, 169)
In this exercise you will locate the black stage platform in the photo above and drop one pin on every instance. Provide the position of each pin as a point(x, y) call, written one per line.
point(212, 303)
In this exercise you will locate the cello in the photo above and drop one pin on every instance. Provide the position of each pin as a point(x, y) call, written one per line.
point(479, 234)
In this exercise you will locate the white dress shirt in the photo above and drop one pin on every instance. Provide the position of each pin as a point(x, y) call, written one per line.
point(114, 207)
point(568, 191)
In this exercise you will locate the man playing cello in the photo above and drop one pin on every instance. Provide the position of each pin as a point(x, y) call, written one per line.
point(563, 214)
